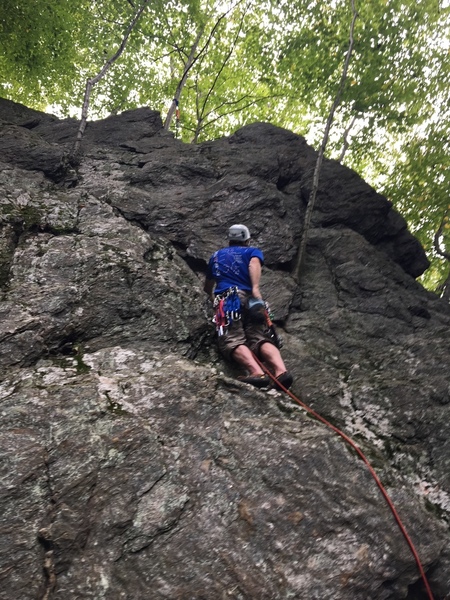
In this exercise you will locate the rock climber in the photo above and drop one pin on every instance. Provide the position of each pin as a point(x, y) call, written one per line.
point(232, 282)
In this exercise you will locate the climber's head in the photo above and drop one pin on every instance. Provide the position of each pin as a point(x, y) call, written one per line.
point(238, 235)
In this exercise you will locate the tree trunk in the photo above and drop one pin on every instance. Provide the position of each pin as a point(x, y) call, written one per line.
point(345, 142)
point(93, 80)
point(445, 286)
point(312, 198)
point(181, 84)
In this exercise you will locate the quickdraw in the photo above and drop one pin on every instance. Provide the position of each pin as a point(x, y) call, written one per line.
point(227, 309)
point(219, 318)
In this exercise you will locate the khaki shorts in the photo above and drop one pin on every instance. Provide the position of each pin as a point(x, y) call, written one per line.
point(242, 332)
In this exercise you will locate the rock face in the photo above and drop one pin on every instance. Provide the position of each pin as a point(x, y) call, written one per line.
point(134, 464)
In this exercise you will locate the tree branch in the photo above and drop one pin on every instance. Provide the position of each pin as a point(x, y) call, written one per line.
point(437, 235)
point(182, 82)
point(443, 288)
point(229, 103)
point(192, 59)
point(312, 198)
point(345, 139)
point(201, 125)
point(224, 62)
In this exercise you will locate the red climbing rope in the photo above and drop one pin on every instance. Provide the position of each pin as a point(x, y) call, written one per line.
point(370, 468)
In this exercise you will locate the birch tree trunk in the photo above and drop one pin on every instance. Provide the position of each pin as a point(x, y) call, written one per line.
point(74, 155)
point(190, 61)
point(443, 288)
point(312, 198)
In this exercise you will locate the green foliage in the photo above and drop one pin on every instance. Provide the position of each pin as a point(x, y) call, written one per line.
point(418, 184)
point(260, 60)
point(397, 96)
point(35, 49)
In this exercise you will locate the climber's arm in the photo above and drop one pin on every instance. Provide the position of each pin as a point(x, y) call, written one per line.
point(254, 269)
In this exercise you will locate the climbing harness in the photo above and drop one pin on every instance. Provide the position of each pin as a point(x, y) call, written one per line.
point(369, 467)
point(227, 307)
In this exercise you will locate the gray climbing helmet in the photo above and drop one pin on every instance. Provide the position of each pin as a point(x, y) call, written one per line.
point(238, 233)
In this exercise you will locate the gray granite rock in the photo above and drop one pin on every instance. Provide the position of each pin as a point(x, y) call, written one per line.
point(133, 463)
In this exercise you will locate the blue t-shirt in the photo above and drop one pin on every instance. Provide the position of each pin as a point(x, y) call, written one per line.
point(229, 267)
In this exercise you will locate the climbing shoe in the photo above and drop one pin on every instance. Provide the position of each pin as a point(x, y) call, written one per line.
point(285, 379)
point(259, 381)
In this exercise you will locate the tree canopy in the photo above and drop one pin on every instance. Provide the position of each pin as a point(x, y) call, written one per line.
point(228, 63)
